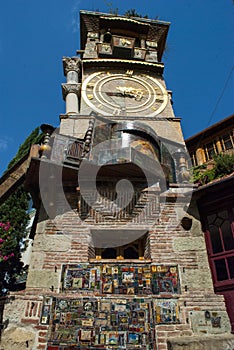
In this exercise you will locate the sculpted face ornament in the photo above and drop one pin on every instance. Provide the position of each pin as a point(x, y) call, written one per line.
point(124, 93)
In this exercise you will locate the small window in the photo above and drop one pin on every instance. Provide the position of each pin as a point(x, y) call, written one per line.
point(215, 239)
point(210, 150)
point(221, 270)
point(227, 142)
point(230, 262)
point(220, 231)
point(131, 253)
point(137, 42)
point(109, 253)
point(134, 250)
point(220, 244)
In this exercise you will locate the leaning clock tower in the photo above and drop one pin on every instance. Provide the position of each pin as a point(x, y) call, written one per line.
point(119, 259)
point(119, 75)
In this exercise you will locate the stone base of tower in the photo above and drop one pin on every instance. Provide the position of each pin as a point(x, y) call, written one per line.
point(30, 333)
point(26, 330)
point(198, 343)
point(75, 299)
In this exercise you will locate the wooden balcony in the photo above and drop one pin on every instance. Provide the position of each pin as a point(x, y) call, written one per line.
point(126, 162)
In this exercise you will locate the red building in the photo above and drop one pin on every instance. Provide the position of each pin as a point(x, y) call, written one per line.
point(216, 206)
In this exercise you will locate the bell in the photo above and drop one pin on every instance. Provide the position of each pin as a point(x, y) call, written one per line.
point(107, 37)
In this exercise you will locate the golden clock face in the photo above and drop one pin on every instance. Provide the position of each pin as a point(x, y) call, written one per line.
point(124, 93)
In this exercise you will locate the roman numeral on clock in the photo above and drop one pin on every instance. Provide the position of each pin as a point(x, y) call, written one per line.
point(159, 99)
point(129, 73)
point(116, 111)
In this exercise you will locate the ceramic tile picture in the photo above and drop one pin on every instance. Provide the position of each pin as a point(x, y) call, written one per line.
point(129, 279)
point(116, 323)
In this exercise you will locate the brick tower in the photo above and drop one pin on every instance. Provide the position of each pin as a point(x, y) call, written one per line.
point(119, 259)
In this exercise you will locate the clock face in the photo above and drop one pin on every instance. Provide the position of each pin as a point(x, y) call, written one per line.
point(124, 93)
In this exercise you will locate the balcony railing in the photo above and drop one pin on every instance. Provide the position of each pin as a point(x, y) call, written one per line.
point(71, 151)
point(130, 155)
point(67, 150)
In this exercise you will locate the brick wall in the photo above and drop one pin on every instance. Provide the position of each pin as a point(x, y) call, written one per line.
point(67, 241)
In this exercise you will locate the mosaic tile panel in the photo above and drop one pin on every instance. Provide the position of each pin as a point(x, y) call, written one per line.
point(166, 311)
point(135, 279)
point(99, 323)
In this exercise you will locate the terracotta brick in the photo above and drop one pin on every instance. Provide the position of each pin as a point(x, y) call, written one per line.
point(29, 321)
point(161, 334)
point(181, 327)
point(40, 327)
point(162, 346)
point(172, 334)
point(41, 346)
point(42, 339)
point(165, 328)
point(42, 334)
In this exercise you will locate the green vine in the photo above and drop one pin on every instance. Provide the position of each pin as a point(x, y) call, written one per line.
point(223, 165)
point(14, 219)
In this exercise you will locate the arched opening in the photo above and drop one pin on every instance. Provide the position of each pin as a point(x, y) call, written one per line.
point(135, 250)
point(107, 37)
point(131, 253)
point(109, 253)
point(137, 42)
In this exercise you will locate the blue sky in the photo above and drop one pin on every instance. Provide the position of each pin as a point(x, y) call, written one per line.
point(35, 35)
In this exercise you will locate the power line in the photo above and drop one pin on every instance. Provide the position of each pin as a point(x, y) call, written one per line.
point(221, 95)
point(217, 103)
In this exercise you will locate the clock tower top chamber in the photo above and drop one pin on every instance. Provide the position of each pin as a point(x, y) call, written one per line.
point(118, 75)
point(116, 81)
point(114, 36)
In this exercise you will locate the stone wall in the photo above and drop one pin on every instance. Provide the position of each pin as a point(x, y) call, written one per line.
point(224, 342)
point(201, 312)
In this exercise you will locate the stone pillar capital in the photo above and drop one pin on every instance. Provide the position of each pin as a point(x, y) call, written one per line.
point(71, 64)
point(71, 88)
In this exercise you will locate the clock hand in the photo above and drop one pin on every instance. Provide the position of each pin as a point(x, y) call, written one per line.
point(120, 101)
point(131, 92)
point(118, 94)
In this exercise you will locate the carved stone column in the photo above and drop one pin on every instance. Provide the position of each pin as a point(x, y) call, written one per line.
point(72, 68)
point(71, 90)
point(71, 94)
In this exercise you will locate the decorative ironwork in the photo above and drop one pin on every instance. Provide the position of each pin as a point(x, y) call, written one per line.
point(67, 150)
